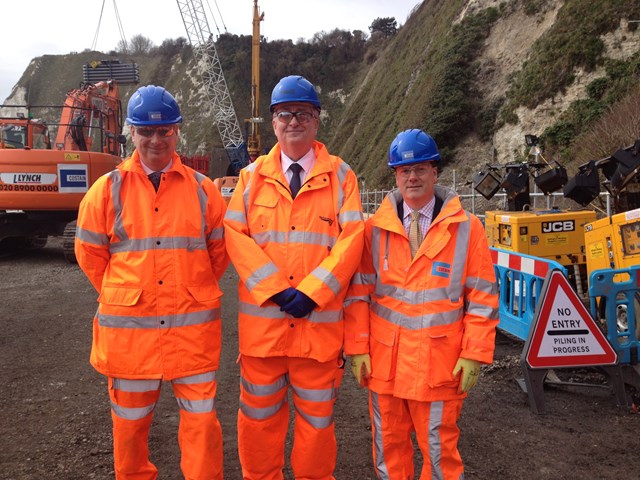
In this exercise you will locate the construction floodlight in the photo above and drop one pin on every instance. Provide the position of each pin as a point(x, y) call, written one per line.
point(627, 166)
point(516, 180)
point(552, 179)
point(584, 187)
point(487, 183)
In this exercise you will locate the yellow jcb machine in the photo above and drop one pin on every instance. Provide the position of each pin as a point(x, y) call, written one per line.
point(550, 233)
point(576, 239)
point(613, 242)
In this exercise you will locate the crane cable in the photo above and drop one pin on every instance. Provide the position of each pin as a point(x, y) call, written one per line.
point(120, 28)
point(123, 37)
point(214, 17)
point(95, 37)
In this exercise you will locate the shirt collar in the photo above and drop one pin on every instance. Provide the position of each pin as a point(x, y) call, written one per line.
point(147, 170)
point(306, 162)
point(427, 210)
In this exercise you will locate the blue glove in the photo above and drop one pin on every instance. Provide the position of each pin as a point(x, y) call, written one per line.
point(299, 306)
point(284, 296)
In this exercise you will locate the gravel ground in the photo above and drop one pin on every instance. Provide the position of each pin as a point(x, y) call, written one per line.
point(55, 421)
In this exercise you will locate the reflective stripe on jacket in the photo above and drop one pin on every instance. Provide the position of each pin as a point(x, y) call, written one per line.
point(313, 244)
point(428, 311)
point(156, 260)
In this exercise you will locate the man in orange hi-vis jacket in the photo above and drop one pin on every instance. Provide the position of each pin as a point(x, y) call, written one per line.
point(150, 240)
point(294, 231)
point(426, 286)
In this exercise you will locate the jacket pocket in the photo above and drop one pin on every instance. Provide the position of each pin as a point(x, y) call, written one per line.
point(444, 351)
point(204, 293)
point(121, 296)
point(262, 215)
point(268, 201)
point(382, 346)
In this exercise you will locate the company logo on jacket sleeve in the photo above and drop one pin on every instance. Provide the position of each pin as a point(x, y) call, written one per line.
point(441, 269)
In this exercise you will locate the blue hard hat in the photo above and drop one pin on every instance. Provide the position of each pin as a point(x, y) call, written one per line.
point(412, 146)
point(151, 105)
point(294, 88)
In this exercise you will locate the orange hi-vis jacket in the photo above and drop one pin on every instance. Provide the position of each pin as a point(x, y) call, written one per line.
point(428, 311)
point(312, 243)
point(156, 260)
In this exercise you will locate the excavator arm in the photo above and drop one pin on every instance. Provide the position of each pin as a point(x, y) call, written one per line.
point(91, 112)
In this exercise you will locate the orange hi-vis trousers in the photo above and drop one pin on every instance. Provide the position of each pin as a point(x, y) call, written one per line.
point(199, 433)
point(263, 418)
point(435, 423)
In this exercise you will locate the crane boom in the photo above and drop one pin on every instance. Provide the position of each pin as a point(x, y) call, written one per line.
point(254, 144)
point(213, 81)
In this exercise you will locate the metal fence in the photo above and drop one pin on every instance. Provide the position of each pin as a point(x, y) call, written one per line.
point(475, 203)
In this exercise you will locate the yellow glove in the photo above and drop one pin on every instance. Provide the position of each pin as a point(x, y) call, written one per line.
point(470, 372)
point(361, 367)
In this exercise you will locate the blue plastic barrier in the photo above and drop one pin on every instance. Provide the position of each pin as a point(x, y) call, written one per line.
point(620, 291)
point(520, 278)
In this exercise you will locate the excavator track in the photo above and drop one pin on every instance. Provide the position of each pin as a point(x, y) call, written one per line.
point(37, 242)
point(68, 242)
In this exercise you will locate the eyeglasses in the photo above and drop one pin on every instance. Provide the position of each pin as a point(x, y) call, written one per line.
point(419, 170)
point(162, 132)
point(302, 117)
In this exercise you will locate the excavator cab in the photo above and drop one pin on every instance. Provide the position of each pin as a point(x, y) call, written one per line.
point(13, 136)
point(24, 133)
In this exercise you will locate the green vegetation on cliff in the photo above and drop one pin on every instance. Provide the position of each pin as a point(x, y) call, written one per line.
point(428, 74)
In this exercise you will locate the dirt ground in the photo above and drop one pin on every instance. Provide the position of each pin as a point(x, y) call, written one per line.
point(55, 421)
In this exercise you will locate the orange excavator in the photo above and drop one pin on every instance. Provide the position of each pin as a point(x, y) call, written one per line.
point(42, 183)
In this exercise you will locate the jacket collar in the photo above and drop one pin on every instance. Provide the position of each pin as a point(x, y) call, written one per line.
point(270, 165)
point(386, 217)
point(132, 164)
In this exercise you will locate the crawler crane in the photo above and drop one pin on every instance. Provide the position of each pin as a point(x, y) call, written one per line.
point(215, 87)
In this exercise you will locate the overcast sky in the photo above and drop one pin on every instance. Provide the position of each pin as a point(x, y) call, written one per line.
point(41, 27)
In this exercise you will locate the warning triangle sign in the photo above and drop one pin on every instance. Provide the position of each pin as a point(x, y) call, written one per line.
point(563, 332)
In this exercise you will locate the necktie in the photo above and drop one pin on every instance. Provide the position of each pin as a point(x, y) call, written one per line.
point(155, 179)
point(415, 238)
point(295, 184)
